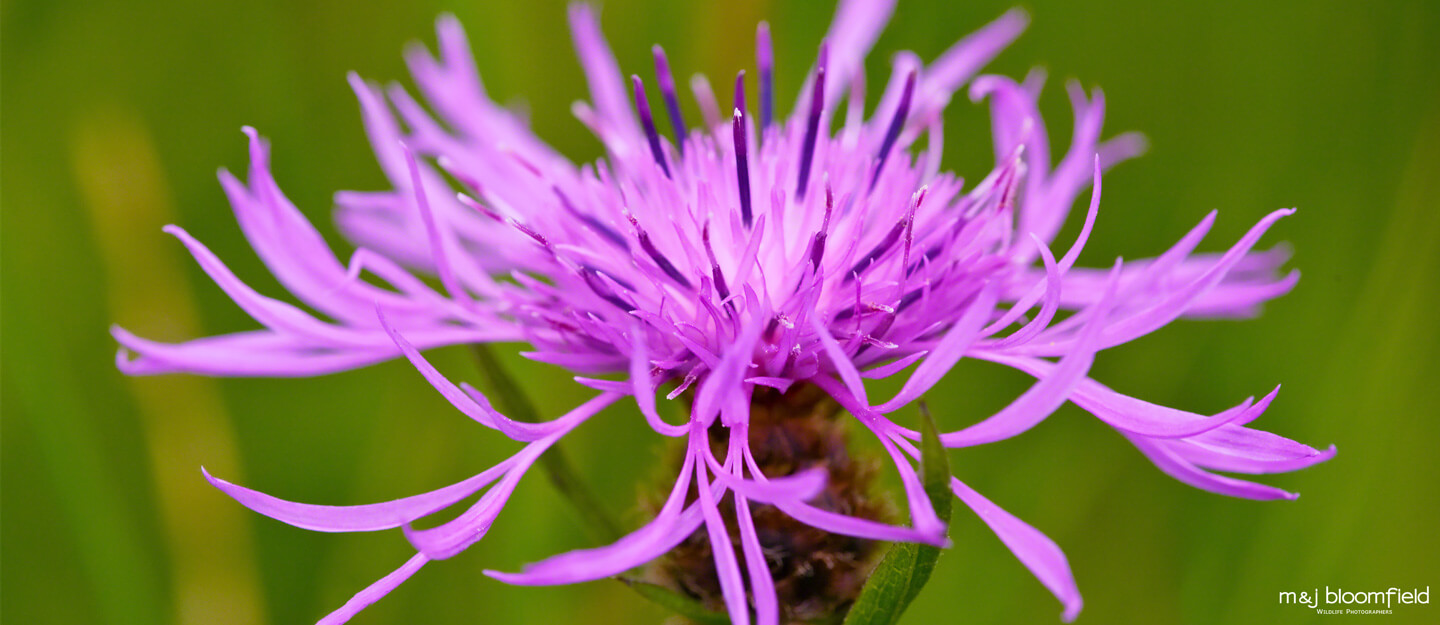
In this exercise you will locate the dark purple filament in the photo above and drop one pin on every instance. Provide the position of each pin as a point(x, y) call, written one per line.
point(897, 124)
point(660, 259)
point(719, 276)
point(889, 241)
point(812, 127)
point(742, 161)
point(594, 224)
point(765, 60)
point(672, 102)
point(817, 246)
point(643, 108)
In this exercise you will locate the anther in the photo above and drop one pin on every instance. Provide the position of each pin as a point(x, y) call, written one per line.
point(765, 60)
point(672, 101)
point(897, 123)
point(817, 245)
point(812, 126)
point(742, 162)
point(643, 108)
point(660, 259)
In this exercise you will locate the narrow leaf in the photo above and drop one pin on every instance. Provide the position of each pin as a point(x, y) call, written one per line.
point(510, 399)
point(906, 567)
point(934, 465)
point(676, 602)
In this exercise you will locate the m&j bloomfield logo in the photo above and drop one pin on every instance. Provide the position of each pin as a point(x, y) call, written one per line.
point(1341, 601)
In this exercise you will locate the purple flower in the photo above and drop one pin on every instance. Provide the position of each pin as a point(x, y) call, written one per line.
point(748, 260)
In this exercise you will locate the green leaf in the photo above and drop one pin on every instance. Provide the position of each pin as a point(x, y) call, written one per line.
point(676, 602)
point(510, 399)
point(934, 465)
point(906, 567)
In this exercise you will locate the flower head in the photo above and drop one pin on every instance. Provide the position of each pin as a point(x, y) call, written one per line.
point(744, 261)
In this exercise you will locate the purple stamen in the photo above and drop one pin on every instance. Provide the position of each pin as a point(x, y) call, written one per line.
point(817, 245)
point(594, 224)
point(660, 259)
point(740, 92)
point(742, 162)
point(643, 108)
point(812, 127)
point(897, 123)
point(765, 60)
point(672, 102)
point(720, 287)
point(910, 298)
point(890, 239)
point(593, 281)
point(879, 250)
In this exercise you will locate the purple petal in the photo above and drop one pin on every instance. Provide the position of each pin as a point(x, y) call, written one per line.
point(841, 363)
point(1134, 415)
point(1181, 469)
point(1041, 400)
point(1035, 550)
point(365, 518)
point(732, 586)
point(943, 357)
point(374, 592)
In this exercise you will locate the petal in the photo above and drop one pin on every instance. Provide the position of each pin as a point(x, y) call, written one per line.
point(844, 525)
point(852, 33)
point(893, 367)
point(732, 585)
point(762, 584)
point(670, 526)
point(840, 362)
point(943, 77)
point(1045, 396)
point(1245, 450)
point(375, 591)
point(945, 354)
point(1172, 463)
point(456, 535)
point(642, 387)
point(365, 518)
point(1034, 549)
point(607, 87)
point(1135, 415)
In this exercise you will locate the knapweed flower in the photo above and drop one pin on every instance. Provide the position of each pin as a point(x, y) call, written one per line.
point(760, 267)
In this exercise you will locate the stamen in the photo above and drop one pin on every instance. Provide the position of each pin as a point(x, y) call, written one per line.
point(740, 92)
point(897, 123)
point(817, 245)
point(742, 162)
point(812, 128)
point(643, 108)
point(890, 238)
point(672, 101)
point(594, 224)
point(765, 60)
point(593, 281)
point(660, 259)
point(705, 97)
point(720, 287)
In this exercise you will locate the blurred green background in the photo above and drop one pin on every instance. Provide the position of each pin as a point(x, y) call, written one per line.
point(117, 113)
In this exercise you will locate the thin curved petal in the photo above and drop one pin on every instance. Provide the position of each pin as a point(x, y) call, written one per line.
point(375, 591)
point(364, 518)
point(1034, 549)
